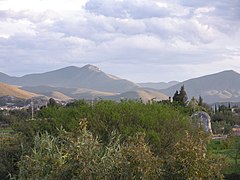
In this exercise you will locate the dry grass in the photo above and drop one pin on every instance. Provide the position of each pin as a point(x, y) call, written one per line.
point(60, 96)
point(9, 90)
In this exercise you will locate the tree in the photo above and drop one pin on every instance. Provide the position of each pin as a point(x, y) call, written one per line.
point(183, 96)
point(200, 101)
point(180, 97)
point(176, 97)
point(52, 102)
point(193, 105)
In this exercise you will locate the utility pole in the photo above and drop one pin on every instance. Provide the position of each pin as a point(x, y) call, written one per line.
point(32, 108)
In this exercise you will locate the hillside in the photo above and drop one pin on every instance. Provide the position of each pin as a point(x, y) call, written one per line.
point(58, 95)
point(90, 82)
point(89, 77)
point(220, 87)
point(142, 93)
point(68, 93)
point(9, 90)
point(158, 85)
point(82, 93)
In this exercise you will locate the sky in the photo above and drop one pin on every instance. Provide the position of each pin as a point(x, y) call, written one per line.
point(138, 40)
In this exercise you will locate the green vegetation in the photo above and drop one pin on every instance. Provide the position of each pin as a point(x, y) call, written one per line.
point(108, 140)
point(180, 97)
point(229, 150)
point(223, 119)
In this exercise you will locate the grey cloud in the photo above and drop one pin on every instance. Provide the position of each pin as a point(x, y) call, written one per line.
point(101, 28)
point(194, 3)
point(126, 8)
point(104, 28)
point(125, 34)
point(4, 14)
point(43, 49)
point(228, 10)
point(224, 9)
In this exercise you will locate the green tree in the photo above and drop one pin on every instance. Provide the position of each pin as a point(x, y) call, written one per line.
point(176, 97)
point(193, 105)
point(200, 101)
point(52, 102)
point(181, 97)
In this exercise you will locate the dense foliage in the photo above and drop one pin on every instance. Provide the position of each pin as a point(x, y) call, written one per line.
point(180, 97)
point(224, 118)
point(81, 156)
point(107, 140)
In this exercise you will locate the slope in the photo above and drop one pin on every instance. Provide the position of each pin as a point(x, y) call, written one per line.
point(9, 90)
point(158, 85)
point(220, 87)
point(89, 77)
point(142, 93)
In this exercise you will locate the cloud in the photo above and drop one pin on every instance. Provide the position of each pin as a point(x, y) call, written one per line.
point(127, 9)
point(137, 36)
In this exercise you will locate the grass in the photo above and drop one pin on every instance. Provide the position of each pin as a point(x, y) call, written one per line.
point(6, 130)
point(5, 133)
point(10, 90)
point(226, 149)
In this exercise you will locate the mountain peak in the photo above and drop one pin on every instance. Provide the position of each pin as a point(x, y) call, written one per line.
point(91, 67)
point(227, 74)
point(230, 72)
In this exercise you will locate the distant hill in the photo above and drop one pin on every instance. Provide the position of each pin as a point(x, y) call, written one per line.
point(90, 82)
point(58, 95)
point(143, 94)
point(89, 77)
point(68, 93)
point(9, 90)
point(158, 85)
point(220, 87)
point(81, 93)
point(4, 77)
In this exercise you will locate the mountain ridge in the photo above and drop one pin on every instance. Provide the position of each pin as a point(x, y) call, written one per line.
point(90, 82)
point(88, 76)
point(217, 87)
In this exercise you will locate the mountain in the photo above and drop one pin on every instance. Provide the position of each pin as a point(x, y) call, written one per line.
point(8, 90)
point(143, 94)
point(68, 93)
point(3, 76)
point(80, 93)
point(220, 87)
point(89, 77)
point(158, 85)
point(58, 95)
point(90, 82)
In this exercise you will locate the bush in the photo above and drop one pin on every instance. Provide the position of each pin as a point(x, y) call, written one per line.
point(191, 161)
point(81, 156)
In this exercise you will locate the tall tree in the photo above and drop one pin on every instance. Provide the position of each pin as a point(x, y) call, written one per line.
point(176, 97)
point(181, 96)
point(200, 101)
